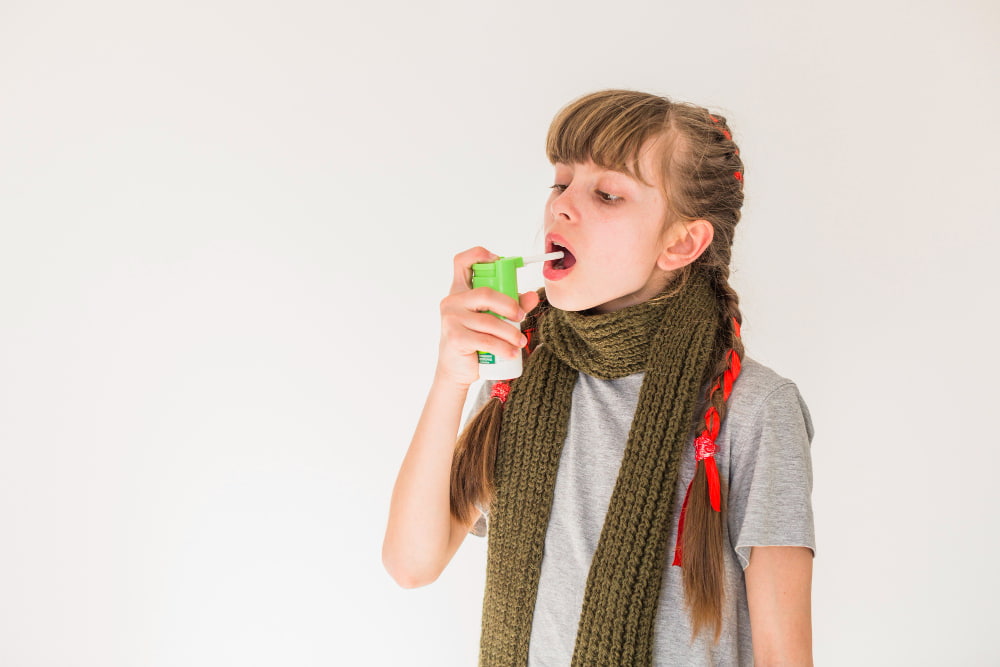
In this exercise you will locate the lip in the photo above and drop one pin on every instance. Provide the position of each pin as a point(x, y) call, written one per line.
point(548, 271)
point(555, 238)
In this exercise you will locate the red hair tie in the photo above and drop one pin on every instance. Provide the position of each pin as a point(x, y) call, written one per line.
point(501, 390)
point(705, 449)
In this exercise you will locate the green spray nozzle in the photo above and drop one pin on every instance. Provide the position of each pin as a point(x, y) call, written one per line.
point(501, 274)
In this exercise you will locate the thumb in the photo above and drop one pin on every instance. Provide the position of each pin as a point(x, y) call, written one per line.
point(528, 301)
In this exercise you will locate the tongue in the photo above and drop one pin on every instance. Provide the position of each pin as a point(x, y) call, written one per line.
point(568, 259)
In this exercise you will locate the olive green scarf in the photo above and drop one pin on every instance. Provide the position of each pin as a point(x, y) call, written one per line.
point(672, 341)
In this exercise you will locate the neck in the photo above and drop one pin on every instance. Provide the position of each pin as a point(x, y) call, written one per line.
point(616, 344)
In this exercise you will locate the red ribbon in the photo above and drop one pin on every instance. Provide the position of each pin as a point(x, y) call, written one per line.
point(725, 132)
point(529, 333)
point(705, 449)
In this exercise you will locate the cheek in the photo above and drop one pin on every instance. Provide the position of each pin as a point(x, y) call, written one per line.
point(627, 248)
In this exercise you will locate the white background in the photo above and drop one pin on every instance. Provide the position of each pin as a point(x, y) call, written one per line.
point(226, 228)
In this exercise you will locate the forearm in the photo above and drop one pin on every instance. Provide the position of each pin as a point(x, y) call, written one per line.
point(779, 595)
point(419, 527)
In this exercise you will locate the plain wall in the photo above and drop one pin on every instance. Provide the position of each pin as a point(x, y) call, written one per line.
point(225, 229)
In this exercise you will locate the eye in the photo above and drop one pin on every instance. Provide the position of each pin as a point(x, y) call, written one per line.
point(558, 187)
point(608, 197)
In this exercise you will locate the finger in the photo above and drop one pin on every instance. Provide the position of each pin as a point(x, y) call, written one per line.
point(462, 330)
point(487, 343)
point(529, 301)
point(494, 326)
point(463, 261)
point(482, 299)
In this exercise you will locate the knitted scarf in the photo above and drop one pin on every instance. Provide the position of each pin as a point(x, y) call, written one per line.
point(672, 342)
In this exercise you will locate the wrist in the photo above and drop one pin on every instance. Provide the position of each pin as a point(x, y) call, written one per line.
point(448, 383)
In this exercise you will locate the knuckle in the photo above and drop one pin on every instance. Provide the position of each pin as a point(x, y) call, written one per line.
point(470, 252)
point(451, 321)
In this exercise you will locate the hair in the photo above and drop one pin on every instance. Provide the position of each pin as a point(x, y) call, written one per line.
point(701, 175)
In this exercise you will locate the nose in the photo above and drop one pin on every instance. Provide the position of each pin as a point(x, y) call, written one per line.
point(562, 205)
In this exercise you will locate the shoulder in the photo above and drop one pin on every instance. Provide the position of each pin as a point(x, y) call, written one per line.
point(762, 394)
point(755, 381)
point(770, 463)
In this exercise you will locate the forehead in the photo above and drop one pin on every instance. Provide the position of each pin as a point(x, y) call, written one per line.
point(644, 166)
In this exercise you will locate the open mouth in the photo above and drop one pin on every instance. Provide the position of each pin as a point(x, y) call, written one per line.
point(567, 261)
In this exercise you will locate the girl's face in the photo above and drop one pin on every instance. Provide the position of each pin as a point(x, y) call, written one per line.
point(613, 227)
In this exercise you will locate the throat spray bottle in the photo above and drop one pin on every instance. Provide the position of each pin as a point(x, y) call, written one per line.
point(501, 275)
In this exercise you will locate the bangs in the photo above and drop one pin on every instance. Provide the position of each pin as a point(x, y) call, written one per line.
point(608, 127)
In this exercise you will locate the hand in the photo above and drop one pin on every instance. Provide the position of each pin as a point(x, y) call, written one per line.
point(466, 328)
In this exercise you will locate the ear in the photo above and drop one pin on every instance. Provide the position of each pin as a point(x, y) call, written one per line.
point(684, 242)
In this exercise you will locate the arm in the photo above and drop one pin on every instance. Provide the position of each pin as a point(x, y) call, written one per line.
point(770, 508)
point(422, 535)
point(779, 586)
point(418, 538)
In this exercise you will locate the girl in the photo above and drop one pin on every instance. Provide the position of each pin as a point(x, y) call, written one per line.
point(645, 486)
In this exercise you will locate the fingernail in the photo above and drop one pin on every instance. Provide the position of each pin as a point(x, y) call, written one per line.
point(524, 341)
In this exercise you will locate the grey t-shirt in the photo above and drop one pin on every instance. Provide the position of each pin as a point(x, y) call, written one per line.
point(766, 473)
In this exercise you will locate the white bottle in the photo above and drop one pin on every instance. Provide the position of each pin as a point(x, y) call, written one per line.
point(494, 367)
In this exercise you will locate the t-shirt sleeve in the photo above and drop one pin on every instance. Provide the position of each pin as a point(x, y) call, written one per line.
point(481, 527)
point(770, 486)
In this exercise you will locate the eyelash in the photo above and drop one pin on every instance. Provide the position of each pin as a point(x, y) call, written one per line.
point(606, 197)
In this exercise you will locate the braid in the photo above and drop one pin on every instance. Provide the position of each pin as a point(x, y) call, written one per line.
point(727, 339)
point(706, 177)
point(728, 178)
point(732, 154)
point(700, 547)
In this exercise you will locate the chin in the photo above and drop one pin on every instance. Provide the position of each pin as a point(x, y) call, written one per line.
point(563, 301)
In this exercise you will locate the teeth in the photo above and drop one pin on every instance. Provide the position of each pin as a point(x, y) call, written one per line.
point(558, 264)
point(561, 263)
